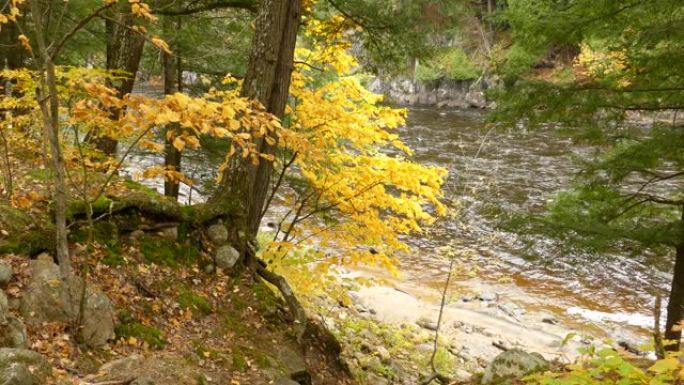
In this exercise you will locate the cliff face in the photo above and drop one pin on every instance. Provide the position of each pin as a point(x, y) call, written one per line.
point(441, 93)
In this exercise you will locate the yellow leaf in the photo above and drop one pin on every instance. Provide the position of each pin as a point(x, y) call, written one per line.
point(179, 144)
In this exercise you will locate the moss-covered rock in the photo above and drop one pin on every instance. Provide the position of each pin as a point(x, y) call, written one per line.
point(21, 234)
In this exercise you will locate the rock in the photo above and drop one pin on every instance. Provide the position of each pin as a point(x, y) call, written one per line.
point(218, 234)
point(22, 367)
point(427, 324)
point(512, 309)
point(142, 381)
point(5, 273)
point(384, 354)
point(210, 268)
point(137, 234)
point(48, 298)
point(226, 257)
point(549, 320)
point(13, 333)
point(170, 233)
point(371, 363)
point(461, 375)
point(488, 296)
point(375, 379)
point(121, 367)
point(99, 320)
point(294, 365)
point(513, 364)
point(425, 347)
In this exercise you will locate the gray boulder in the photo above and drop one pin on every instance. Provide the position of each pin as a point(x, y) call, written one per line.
point(512, 365)
point(22, 367)
point(13, 333)
point(226, 257)
point(48, 298)
point(99, 320)
point(294, 365)
point(218, 234)
point(5, 273)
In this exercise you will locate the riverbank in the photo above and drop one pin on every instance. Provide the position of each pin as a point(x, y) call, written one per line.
point(439, 93)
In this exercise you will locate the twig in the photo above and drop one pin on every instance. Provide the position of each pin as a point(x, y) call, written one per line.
point(435, 373)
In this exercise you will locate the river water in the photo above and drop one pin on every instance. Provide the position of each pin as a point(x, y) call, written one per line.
point(495, 171)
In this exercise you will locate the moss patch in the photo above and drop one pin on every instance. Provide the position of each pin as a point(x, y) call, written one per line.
point(152, 336)
point(166, 253)
point(194, 302)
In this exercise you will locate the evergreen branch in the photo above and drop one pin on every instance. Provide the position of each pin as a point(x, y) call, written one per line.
point(250, 5)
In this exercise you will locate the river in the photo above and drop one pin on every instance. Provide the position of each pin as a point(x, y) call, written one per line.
point(495, 171)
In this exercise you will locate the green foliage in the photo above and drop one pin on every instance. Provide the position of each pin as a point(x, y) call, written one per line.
point(449, 63)
point(239, 360)
point(150, 335)
point(608, 367)
point(198, 304)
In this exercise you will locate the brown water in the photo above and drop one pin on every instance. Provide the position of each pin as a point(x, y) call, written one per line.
point(497, 171)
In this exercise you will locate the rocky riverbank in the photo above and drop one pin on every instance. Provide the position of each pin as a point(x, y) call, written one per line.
point(440, 93)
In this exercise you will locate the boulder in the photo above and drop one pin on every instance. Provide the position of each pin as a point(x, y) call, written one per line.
point(99, 320)
point(217, 234)
point(48, 298)
point(226, 257)
point(13, 333)
point(121, 367)
point(488, 296)
point(294, 365)
point(384, 354)
point(512, 365)
point(22, 367)
point(5, 273)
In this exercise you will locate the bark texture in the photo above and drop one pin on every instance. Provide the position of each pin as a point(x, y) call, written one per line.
point(675, 306)
point(124, 50)
point(245, 185)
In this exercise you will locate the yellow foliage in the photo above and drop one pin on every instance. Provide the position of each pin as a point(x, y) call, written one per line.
point(362, 192)
point(90, 107)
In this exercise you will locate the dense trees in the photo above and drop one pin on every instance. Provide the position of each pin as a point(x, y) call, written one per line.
point(628, 70)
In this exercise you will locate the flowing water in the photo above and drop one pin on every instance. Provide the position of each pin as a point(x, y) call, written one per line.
point(493, 172)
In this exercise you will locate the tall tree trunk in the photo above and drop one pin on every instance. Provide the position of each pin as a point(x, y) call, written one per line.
point(48, 100)
point(675, 306)
point(124, 50)
point(172, 84)
point(244, 185)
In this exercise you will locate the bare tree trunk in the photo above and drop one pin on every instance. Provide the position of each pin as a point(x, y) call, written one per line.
point(172, 84)
point(245, 185)
point(124, 50)
point(48, 100)
point(675, 305)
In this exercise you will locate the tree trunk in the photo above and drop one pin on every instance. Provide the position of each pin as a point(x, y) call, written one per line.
point(675, 306)
point(172, 84)
point(48, 100)
point(124, 50)
point(245, 185)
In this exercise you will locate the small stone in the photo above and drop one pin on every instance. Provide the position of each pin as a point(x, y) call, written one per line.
point(5, 273)
point(137, 234)
point(226, 257)
point(170, 233)
point(427, 324)
point(210, 268)
point(549, 320)
point(217, 234)
point(425, 347)
point(512, 365)
point(13, 333)
point(384, 354)
point(462, 375)
point(488, 296)
point(512, 309)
